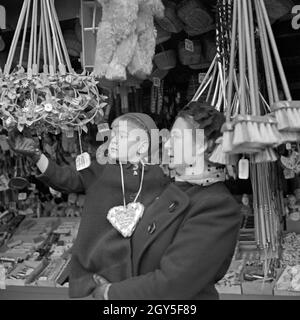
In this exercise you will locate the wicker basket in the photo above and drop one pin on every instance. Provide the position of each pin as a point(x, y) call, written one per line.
point(170, 22)
point(193, 14)
point(196, 32)
point(157, 73)
point(192, 86)
point(200, 66)
point(25, 55)
point(209, 49)
point(74, 46)
point(165, 60)
point(162, 35)
point(187, 57)
point(278, 8)
point(132, 81)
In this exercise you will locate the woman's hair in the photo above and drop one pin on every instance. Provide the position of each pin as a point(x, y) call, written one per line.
point(204, 116)
point(134, 121)
point(137, 120)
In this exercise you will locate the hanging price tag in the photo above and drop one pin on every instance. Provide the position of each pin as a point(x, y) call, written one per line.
point(4, 183)
point(288, 146)
point(244, 169)
point(201, 77)
point(103, 127)
point(3, 143)
point(103, 131)
point(22, 196)
point(189, 45)
point(83, 161)
point(156, 82)
point(32, 187)
point(12, 206)
point(2, 277)
point(70, 133)
point(55, 193)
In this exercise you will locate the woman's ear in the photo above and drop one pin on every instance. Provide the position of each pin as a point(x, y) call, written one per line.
point(143, 147)
point(210, 145)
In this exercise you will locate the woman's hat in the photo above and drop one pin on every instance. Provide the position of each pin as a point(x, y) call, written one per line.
point(145, 120)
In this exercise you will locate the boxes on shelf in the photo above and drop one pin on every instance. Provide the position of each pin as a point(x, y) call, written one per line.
point(292, 226)
point(231, 283)
point(288, 283)
point(50, 275)
point(254, 282)
point(38, 253)
point(24, 273)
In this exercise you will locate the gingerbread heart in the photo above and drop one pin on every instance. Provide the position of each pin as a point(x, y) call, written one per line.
point(125, 219)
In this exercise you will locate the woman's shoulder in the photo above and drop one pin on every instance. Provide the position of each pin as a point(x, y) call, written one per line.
point(216, 193)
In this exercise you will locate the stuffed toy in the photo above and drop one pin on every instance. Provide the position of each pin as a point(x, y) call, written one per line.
point(141, 63)
point(126, 36)
point(116, 38)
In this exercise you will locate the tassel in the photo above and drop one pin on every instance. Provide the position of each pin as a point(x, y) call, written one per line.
point(282, 119)
point(240, 135)
point(218, 155)
point(265, 156)
point(288, 136)
point(296, 119)
point(256, 139)
point(265, 134)
point(227, 141)
point(273, 134)
point(291, 119)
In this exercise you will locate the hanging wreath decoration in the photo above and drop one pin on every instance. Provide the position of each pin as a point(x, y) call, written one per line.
point(59, 101)
point(56, 98)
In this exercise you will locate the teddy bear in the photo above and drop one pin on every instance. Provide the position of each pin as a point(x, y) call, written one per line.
point(116, 38)
point(141, 63)
point(126, 38)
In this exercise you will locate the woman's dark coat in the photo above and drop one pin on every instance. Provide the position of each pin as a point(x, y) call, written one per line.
point(182, 246)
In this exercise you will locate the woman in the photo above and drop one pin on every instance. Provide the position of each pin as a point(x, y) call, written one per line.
point(186, 239)
point(101, 248)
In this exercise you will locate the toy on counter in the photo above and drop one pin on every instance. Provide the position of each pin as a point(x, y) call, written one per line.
point(58, 209)
point(293, 208)
point(291, 164)
point(291, 250)
point(231, 282)
point(72, 210)
point(289, 280)
point(126, 38)
point(247, 212)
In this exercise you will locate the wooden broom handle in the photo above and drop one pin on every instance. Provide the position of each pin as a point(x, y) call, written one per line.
point(62, 41)
point(200, 89)
point(39, 45)
point(255, 71)
point(232, 61)
point(34, 66)
point(42, 26)
point(48, 38)
point(211, 84)
point(213, 102)
point(29, 62)
point(249, 55)
point(268, 53)
point(275, 51)
point(24, 33)
point(241, 59)
point(271, 86)
point(12, 49)
point(55, 42)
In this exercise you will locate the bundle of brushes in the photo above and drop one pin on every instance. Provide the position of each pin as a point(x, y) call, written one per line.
point(250, 128)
